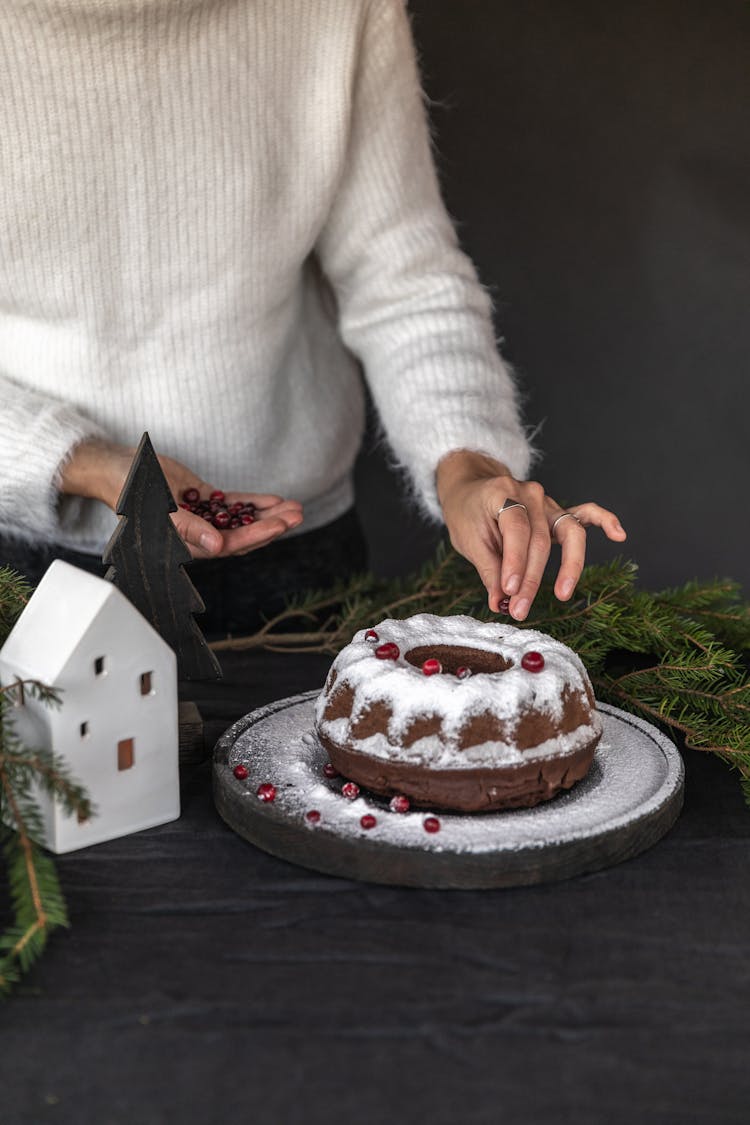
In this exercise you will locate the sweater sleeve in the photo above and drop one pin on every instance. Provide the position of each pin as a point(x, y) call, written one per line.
point(410, 305)
point(37, 436)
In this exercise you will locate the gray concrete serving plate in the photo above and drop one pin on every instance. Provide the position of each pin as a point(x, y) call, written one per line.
point(629, 800)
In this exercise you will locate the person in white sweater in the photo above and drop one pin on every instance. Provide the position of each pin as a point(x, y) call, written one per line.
point(212, 212)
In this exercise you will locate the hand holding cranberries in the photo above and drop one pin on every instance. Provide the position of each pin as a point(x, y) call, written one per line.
point(270, 516)
point(98, 468)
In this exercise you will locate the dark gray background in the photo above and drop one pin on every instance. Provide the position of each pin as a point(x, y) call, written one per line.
point(595, 158)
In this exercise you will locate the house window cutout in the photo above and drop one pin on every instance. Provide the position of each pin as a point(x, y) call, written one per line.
point(84, 728)
point(146, 685)
point(125, 753)
point(99, 666)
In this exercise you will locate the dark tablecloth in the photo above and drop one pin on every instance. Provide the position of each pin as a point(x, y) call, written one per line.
point(205, 981)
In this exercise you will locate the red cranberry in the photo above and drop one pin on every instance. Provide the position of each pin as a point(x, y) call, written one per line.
point(187, 507)
point(350, 790)
point(431, 824)
point(240, 772)
point(266, 791)
point(313, 816)
point(368, 820)
point(463, 672)
point(388, 651)
point(400, 803)
point(330, 770)
point(504, 606)
point(235, 523)
point(235, 508)
point(532, 661)
point(222, 520)
point(246, 519)
point(432, 666)
point(371, 637)
point(191, 495)
point(207, 516)
point(217, 494)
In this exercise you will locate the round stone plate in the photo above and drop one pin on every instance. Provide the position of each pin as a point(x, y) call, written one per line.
point(631, 796)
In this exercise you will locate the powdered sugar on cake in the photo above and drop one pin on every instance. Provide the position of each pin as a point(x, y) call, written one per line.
point(434, 752)
point(410, 694)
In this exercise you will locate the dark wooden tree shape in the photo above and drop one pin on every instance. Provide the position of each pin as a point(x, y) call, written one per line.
point(146, 557)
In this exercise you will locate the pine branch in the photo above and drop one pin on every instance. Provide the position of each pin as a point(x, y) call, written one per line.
point(19, 688)
point(51, 772)
point(37, 902)
point(15, 592)
point(676, 657)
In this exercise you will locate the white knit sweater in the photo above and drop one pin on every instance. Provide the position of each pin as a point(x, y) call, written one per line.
point(208, 208)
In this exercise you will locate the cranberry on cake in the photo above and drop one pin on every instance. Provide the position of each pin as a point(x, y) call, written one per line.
point(459, 714)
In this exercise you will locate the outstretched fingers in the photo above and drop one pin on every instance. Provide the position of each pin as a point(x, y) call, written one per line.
point(525, 547)
point(568, 528)
point(593, 515)
point(506, 528)
point(514, 537)
point(486, 556)
point(526, 533)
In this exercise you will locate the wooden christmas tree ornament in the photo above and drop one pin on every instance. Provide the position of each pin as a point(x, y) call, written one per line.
point(146, 559)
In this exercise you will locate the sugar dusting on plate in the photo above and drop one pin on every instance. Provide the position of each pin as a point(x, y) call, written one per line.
point(635, 771)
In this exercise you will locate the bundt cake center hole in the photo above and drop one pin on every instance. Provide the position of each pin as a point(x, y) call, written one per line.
point(453, 657)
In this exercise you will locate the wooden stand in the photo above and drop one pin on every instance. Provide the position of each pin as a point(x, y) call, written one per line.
point(630, 798)
point(192, 743)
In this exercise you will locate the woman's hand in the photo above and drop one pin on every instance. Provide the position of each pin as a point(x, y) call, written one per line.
point(97, 469)
point(510, 547)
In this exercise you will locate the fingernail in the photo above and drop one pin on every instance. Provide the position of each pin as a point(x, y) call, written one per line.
point(520, 609)
point(209, 542)
point(567, 588)
point(513, 584)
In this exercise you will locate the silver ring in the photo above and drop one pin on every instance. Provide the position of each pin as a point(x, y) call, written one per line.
point(510, 504)
point(562, 517)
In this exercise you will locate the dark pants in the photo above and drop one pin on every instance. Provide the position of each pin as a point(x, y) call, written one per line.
point(238, 592)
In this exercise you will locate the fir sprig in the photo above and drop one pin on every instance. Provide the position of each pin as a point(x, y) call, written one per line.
point(37, 902)
point(14, 594)
point(676, 657)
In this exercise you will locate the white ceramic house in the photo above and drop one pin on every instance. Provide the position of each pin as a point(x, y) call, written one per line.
point(117, 726)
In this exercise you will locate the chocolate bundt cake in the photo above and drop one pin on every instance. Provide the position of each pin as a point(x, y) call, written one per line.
point(459, 714)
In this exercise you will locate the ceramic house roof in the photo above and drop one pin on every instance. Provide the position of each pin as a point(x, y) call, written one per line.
point(56, 618)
